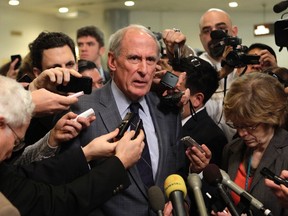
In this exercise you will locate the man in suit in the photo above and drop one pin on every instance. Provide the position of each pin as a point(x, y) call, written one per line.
point(212, 20)
point(133, 54)
point(76, 197)
point(90, 41)
point(202, 80)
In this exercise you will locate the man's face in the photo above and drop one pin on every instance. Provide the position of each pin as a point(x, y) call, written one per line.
point(9, 137)
point(97, 80)
point(254, 67)
point(133, 70)
point(58, 57)
point(89, 49)
point(214, 20)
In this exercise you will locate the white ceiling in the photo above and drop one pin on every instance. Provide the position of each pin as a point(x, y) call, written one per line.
point(89, 6)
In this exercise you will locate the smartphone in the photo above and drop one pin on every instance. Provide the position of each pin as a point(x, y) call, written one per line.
point(270, 175)
point(172, 99)
point(139, 126)
point(25, 78)
point(124, 125)
point(169, 80)
point(13, 57)
point(76, 84)
point(190, 142)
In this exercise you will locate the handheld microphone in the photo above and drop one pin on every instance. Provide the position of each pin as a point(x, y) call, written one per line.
point(156, 200)
point(281, 6)
point(195, 184)
point(238, 190)
point(213, 176)
point(175, 190)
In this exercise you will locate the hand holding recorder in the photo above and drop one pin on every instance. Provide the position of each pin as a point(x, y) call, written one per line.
point(278, 185)
point(199, 155)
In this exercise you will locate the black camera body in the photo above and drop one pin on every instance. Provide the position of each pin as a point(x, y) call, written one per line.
point(238, 57)
point(281, 33)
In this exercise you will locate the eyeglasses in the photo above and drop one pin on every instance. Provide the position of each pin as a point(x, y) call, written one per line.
point(19, 143)
point(249, 128)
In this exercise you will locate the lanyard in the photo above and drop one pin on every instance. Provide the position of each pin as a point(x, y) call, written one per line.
point(248, 173)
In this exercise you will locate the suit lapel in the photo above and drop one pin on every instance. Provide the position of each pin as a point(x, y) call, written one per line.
point(269, 157)
point(160, 128)
point(108, 112)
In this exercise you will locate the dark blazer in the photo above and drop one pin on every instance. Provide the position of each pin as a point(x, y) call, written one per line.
point(134, 200)
point(60, 169)
point(76, 198)
point(205, 131)
point(275, 158)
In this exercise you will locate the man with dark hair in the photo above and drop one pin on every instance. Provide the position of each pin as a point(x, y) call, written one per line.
point(90, 41)
point(52, 55)
point(267, 59)
point(50, 40)
point(89, 68)
point(202, 80)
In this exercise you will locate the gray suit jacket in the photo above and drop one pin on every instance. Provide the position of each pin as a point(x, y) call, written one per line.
point(275, 158)
point(134, 200)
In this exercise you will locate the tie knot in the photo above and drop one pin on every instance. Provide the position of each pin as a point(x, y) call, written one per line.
point(134, 107)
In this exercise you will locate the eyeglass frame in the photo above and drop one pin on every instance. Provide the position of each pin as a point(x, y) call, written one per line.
point(19, 143)
point(247, 127)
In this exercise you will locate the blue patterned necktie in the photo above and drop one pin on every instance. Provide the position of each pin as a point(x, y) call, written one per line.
point(144, 164)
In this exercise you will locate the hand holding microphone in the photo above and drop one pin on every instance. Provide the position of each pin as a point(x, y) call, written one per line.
point(238, 190)
point(213, 177)
point(175, 190)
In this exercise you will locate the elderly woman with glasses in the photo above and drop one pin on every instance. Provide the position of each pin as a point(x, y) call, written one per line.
point(256, 106)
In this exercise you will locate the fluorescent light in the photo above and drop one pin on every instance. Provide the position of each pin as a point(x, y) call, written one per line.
point(261, 30)
point(129, 3)
point(233, 4)
point(63, 10)
point(14, 2)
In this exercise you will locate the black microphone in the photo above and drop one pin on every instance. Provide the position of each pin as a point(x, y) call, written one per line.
point(281, 6)
point(238, 190)
point(212, 176)
point(156, 200)
point(195, 184)
point(175, 189)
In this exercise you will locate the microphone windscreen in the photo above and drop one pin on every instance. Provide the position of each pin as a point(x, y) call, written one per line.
point(278, 8)
point(212, 174)
point(174, 182)
point(156, 198)
point(218, 34)
point(194, 181)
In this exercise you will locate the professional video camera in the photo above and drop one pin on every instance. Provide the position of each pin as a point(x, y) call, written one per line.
point(237, 57)
point(281, 26)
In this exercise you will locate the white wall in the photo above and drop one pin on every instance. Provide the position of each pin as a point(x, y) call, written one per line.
point(188, 22)
point(32, 24)
point(29, 25)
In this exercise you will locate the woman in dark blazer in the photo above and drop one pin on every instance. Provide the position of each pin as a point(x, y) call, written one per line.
point(256, 106)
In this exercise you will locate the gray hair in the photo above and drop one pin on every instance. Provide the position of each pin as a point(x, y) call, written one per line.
point(116, 38)
point(16, 104)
